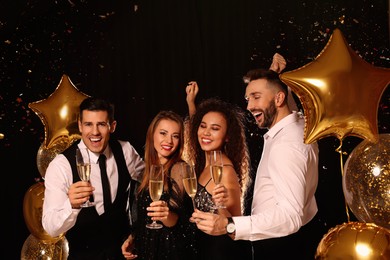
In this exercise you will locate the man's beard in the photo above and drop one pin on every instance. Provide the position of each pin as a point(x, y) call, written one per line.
point(268, 115)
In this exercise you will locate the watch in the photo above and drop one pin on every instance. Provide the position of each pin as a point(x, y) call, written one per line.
point(230, 228)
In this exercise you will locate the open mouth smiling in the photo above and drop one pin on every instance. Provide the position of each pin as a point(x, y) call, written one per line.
point(257, 116)
point(166, 147)
point(206, 140)
point(96, 139)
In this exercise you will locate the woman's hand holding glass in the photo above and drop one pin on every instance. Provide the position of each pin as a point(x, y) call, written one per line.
point(216, 169)
point(190, 182)
point(158, 210)
point(156, 185)
point(220, 194)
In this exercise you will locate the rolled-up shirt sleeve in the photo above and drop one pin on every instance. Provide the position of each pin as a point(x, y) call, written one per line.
point(58, 215)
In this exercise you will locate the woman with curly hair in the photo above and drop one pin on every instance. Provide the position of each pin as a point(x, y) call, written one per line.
point(219, 125)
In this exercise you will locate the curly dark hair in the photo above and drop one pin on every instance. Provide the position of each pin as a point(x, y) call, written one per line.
point(236, 149)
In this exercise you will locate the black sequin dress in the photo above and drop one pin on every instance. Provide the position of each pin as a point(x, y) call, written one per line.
point(175, 242)
point(217, 247)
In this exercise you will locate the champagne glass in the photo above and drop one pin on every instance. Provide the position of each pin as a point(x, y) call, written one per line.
point(216, 167)
point(84, 170)
point(156, 183)
point(189, 180)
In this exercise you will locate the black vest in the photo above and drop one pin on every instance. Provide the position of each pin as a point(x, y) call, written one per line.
point(91, 231)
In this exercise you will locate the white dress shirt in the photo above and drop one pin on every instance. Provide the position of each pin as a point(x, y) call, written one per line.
point(286, 180)
point(58, 215)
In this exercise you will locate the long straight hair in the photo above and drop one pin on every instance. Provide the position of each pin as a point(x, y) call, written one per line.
point(151, 155)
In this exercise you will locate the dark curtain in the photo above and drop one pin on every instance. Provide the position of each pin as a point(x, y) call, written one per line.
point(141, 54)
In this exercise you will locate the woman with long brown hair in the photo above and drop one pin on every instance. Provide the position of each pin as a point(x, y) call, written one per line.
point(163, 146)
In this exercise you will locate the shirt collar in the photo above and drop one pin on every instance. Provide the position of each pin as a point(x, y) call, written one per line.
point(274, 130)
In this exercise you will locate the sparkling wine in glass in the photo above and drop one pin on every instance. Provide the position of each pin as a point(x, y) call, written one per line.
point(189, 180)
point(156, 184)
point(84, 170)
point(216, 168)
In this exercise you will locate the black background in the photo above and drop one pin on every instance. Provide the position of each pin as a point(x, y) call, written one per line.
point(141, 54)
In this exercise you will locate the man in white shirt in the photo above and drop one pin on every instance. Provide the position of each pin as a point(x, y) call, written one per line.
point(96, 232)
point(286, 179)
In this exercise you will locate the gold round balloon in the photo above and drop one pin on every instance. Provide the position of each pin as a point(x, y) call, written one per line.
point(33, 248)
point(339, 92)
point(59, 112)
point(366, 181)
point(355, 240)
point(32, 212)
point(46, 155)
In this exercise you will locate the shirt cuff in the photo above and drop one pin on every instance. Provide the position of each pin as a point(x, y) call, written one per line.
point(243, 227)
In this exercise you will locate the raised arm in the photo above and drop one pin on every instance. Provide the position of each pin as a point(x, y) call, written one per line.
point(191, 90)
point(278, 63)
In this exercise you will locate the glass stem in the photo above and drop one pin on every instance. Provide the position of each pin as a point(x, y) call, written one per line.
point(193, 203)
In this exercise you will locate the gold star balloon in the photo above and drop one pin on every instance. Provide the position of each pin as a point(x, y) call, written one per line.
point(58, 114)
point(339, 92)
